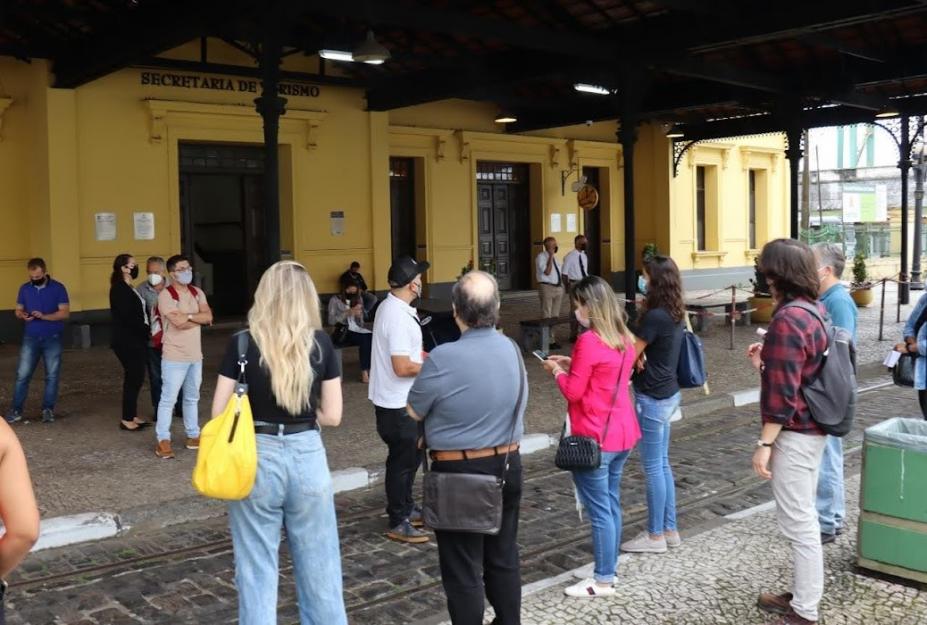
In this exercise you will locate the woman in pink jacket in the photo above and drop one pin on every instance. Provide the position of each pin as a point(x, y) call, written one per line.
point(595, 384)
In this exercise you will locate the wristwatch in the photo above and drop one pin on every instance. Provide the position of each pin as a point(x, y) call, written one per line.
point(762, 443)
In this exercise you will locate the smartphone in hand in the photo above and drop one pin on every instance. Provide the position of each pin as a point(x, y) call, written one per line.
point(539, 354)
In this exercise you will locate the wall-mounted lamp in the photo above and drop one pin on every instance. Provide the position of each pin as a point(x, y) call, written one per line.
point(371, 51)
point(566, 173)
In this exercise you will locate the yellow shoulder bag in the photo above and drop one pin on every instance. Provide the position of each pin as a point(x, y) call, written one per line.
point(227, 459)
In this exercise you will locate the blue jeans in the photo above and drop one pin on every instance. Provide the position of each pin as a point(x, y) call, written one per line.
point(600, 491)
point(292, 490)
point(48, 348)
point(831, 502)
point(174, 376)
point(654, 418)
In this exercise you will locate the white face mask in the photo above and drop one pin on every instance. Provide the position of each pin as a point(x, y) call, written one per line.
point(583, 321)
point(154, 279)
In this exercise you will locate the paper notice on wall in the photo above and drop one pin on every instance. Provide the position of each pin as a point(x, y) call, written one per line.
point(337, 223)
point(144, 227)
point(105, 226)
point(571, 222)
point(555, 223)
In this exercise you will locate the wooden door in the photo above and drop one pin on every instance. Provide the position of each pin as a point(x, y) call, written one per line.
point(504, 224)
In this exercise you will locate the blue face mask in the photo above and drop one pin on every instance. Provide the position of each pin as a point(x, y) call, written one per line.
point(642, 285)
point(185, 277)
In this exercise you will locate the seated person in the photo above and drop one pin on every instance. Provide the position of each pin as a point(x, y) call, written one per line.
point(346, 314)
point(353, 276)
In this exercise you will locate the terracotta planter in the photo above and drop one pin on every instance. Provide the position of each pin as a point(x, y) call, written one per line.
point(862, 296)
point(764, 308)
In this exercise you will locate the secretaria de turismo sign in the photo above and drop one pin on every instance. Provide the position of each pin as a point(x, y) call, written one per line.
point(221, 83)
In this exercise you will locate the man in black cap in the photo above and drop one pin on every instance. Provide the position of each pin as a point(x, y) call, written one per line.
point(396, 359)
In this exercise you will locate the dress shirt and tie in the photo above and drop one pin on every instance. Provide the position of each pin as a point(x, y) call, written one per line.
point(575, 265)
point(550, 285)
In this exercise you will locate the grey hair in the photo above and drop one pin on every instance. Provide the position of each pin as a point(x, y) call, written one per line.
point(830, 255)
point(476, 305)
point(156, 259)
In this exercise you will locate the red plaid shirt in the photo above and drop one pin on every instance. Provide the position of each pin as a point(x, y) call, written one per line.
point(792, 352)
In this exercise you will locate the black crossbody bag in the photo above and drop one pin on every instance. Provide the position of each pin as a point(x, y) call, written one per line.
point(468, 502)
point(581, 453)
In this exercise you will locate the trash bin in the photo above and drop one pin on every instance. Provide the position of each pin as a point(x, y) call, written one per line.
point(893, 499)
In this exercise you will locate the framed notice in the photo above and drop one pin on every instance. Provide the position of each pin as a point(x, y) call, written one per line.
point(105, 226)
point(571, 222)
point(144, 227)
point(337, 223)
point(555, 224)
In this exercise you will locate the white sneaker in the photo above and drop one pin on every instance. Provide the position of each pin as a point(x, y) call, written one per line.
point(589, 589)
point(673, 539)
point(643, 544)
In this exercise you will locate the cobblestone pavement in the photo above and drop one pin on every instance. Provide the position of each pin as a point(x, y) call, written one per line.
point(715, 577)
point(184, 574)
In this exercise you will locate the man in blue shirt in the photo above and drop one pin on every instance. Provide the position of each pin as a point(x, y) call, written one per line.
point(42, 304)
point(842, 311)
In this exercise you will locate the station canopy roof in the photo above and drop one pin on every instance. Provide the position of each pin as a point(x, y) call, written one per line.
point(715, 67)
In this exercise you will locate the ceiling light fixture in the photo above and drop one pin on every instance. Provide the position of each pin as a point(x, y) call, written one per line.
point(337, 55)
point(371, 51)
point(587, 88)
point(505, 118)
point(675, 133)
point(886, 113)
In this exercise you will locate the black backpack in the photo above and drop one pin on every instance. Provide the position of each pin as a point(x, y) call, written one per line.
point(831, 396)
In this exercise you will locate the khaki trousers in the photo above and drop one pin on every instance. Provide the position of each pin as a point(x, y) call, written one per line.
point(551, 298)
point(794, 464)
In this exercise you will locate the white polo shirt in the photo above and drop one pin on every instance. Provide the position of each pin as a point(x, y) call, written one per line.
point(575, 263)
point(554, 276)
point(396, 332)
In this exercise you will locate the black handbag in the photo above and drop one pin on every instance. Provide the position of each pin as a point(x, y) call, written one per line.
point(468, 502)
point(340, 333)
point(581, 453)
point(903, 371)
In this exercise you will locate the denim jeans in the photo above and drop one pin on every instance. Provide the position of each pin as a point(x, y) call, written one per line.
point(654, 418)
point(47, 348)
point(600, 491)
point(831, 502)
point(174, 376)
point(292, 490)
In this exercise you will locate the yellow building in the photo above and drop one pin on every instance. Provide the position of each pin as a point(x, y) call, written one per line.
point(156, 161)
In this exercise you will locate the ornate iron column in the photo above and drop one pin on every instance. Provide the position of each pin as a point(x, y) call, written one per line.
point(901, 129)
point(271, 106)
point(916, 283)
point(793, 152)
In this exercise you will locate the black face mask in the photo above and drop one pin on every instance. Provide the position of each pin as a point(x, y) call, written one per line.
point(582, 248)
point(556, 249)
point(40, 281)
point(133, 273)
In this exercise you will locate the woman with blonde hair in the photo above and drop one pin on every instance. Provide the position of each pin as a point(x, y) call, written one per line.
point(595, 383)
point(294, 386)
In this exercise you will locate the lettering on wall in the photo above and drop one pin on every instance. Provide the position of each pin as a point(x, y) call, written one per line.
point(222, 83)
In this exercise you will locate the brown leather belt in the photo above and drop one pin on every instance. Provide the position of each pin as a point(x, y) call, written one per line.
point(472, 454)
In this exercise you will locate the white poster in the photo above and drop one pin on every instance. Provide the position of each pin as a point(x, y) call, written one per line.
point(337, 223)
point(555, 222)
point(144, 227)
point(105, 226)
point(571, 222)
point(852, 207)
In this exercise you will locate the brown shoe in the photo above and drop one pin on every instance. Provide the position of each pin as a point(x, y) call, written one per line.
point(193, 443)
point(777, 604)
point(163, 450)
point(791, 618)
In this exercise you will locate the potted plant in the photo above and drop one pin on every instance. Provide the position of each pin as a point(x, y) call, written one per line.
point(762, 302)
point(861, 287)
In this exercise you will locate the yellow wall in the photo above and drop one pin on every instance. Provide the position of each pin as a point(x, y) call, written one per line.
point(728, 162)
point(112, 146)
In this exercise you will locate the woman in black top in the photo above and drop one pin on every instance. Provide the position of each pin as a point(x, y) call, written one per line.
point(656, 391)
point(294, 385)
point(129, 336)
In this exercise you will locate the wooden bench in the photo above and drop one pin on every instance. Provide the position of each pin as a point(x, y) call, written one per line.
point(700, 308)
point(536, 333)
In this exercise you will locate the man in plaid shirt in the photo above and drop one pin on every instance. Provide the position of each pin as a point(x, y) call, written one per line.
point(790, 446)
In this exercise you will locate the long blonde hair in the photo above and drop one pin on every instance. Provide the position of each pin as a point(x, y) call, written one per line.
point(606, 314)
point(283, 322)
